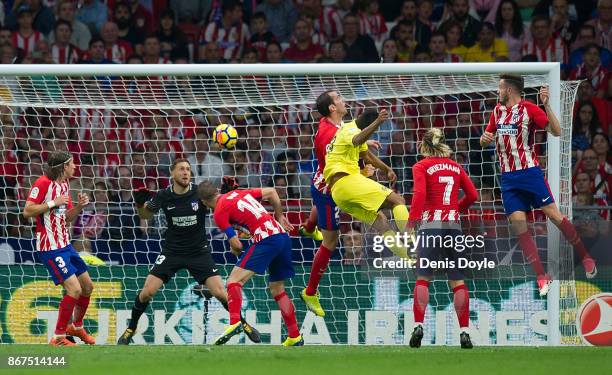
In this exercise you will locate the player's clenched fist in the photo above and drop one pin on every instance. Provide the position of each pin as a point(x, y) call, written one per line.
point(544, 95)
point(486, 138)
point(83, 200)
point(383, 115)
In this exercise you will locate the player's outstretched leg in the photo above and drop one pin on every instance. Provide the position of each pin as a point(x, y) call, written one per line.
point(277, 288)
point(76, 328)
point(310, 295)
point(141, 302)
point(215, 286)
point(569, 232)
point(421, 299)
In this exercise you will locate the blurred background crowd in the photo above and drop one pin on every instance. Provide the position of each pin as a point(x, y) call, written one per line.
point(118, 151)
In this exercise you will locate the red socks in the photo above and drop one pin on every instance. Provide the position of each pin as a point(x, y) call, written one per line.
point(234, 301)
point(311, 223)
point(421, 299)
point(66, 308)
point(569, 231)
point(530, 251)
point(79, 311)
point(462, 305)
point(319, 265)
point(288, 312)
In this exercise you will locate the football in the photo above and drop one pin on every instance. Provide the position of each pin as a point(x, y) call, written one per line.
point(226, 136)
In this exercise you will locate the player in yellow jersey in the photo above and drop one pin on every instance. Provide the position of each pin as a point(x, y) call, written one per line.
point(356, 194)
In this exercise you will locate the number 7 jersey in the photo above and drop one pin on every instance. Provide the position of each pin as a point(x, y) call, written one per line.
point(242, 207)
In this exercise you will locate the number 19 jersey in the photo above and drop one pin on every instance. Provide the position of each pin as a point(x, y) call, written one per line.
point(242, 207)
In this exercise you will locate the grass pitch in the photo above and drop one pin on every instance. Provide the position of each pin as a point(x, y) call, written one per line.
point(316, 360)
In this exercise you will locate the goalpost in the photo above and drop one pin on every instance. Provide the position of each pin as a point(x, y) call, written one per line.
point(125, 123)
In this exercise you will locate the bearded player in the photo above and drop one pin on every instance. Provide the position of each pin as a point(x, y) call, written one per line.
point(270, 250)
point(436, 205)
point(512, 127)
point(49, 202)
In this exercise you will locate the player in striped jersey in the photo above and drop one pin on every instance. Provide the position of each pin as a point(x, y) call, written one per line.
point(512, 127)
point(270, 250)
point(49, 202)
point(436, 204)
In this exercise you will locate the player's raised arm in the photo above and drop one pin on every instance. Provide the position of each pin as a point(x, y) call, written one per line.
point(553, 127)
point(141, 198)
point(369, 121)
point(270, 195)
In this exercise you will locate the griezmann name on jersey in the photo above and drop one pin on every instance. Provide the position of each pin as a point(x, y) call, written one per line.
point(325, 134)
point(342, 155)
point(514, 130)
point(242, 207)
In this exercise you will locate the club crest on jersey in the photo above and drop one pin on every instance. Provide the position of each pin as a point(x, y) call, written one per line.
point(507, 129)
point(195, 205)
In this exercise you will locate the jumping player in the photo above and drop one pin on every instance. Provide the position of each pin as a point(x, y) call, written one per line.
point(436, 204)
point(512, 126)
point(49, 202)
point(186, 245)
point(271, 250)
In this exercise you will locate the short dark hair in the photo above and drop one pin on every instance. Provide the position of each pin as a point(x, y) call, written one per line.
point(259, 16)
point(514, 80)
point(323, 102)
point(438, 33)
point(95, 40)
point(229, 5)
point(366, 118)
point(539, 18)
point(60, 22)
point(56, 162)
point(178, 161)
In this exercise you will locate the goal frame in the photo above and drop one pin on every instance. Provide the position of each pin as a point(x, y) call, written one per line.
point(552, 70)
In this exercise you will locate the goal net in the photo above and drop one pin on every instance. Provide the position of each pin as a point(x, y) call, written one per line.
point(125, 125)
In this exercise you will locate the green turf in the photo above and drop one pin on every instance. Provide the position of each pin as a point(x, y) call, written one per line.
point(320, 360)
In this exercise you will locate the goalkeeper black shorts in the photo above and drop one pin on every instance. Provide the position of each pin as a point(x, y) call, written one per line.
point(201, 266)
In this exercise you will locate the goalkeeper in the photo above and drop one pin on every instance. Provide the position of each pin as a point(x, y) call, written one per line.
point(186, 244)
point(356, 194)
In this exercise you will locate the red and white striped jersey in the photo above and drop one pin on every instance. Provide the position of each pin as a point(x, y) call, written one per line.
point(515, 138)
point(447, 58)
point(65, 55)
point(599, 77)
point(437, 182)
point(555, 51)
point(231, 41)
point(373, 25)
point(243, 208)
point(119, 52)
point(27, 44)
point(51, 228)
point(330, 22)
point(325, 134)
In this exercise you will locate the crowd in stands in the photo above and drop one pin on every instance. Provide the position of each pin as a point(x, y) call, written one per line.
point(117, 152)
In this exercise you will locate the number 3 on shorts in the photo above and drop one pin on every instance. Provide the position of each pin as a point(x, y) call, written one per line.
point(160, 259)
point(60, 262)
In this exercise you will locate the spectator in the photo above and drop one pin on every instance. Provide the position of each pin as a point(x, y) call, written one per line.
point(274, 53)
point(260, 36)
point(563, 27)
point(453, 40)
point(421, 55)
point(403, 34)
point(117, 50)
point(283, 16)
point(142, 20)
point(336, 52)
point(439, 51)
point(332, 18)
point(250, 56)
point(303, 50)
point(190, 11)
point(230, 31)
point(8, 54)
point(389, 52)
point(585, 125)
point(140, 177)
point(586, 36)
point(361, 48)
point(598, 174)
point(489, 48)
point(421, 31)
point(353, 246)
point(96, 53)
point(509, 27)
point(603, 24)
point(93, 14)
point(484, 10)
point(92, 224)
point(371, 21)
point(6, 36)
point(285, 191)
point(600, 143)
point(543, 45)
point(469, 25)
point(123, 18)
point(62, 51)
point(205, 163)
point(286, 165)
point(317, 36)
point(43, 19)
point(586, 93)
point(211, 54)
point(592, 70)
point(172, 39)
point(26, 37)
point(66, 10)
point(151, 53)
point(424, 12)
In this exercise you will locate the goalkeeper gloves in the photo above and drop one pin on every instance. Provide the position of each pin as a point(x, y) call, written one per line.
point(141, 195)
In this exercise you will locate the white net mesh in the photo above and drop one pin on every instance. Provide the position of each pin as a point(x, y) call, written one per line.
point(125, 131)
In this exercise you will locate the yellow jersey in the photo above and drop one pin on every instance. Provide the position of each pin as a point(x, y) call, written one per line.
point(342, 156)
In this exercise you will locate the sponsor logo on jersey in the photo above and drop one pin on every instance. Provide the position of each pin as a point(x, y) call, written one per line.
point(507, 129)
point(594, 320)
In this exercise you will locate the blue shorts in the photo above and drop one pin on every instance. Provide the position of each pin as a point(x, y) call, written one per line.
point(431, 249)
point(62, 263)
point(328, 214)
point(272, 253)
point(524, 190)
